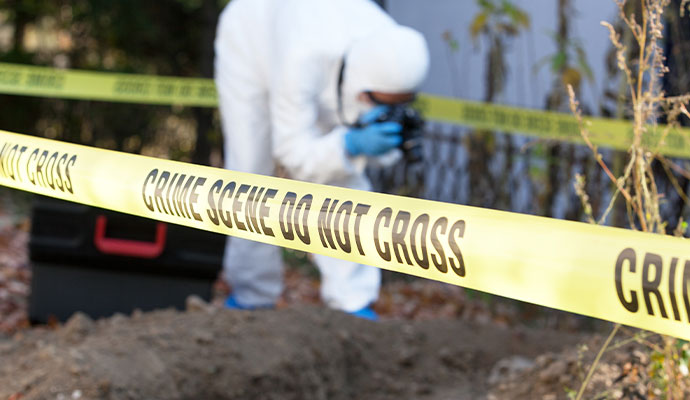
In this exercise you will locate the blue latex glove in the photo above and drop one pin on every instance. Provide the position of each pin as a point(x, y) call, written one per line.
point(374, 139)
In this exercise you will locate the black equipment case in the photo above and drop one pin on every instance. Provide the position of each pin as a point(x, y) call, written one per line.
point(102, 262)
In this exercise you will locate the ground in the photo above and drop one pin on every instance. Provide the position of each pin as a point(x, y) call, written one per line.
point(299, 352)
point(433, 342)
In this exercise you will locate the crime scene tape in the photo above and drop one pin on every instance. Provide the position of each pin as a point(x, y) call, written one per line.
point(88, 85)
point(634, 278)
point(606, 132)
point(151, 89)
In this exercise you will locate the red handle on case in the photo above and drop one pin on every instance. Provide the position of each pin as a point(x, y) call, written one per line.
point(125, 247)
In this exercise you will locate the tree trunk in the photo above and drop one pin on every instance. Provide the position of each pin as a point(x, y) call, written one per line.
point(555, 101)
point(204, 116)
point(21, 19)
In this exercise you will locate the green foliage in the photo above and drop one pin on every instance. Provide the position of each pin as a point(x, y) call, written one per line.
point(451, 41)
point(499, 16)
point(642, 62)
point(657, 371)
point(171, 37)
point(561, 62)
point(582, 63)
point(484, 297)
point(300, 261)
point(478, 24)
point(138, 36)
point(684, 357)
point(570, 393)
point(558, 60)
point(497, 21)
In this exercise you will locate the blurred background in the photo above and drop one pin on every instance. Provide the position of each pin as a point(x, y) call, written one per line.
point(514, 52)
point(521, 53)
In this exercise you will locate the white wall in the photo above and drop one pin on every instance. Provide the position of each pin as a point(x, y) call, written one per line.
point(524, 87)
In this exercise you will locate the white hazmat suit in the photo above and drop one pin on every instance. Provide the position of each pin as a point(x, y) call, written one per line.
point(277, 70)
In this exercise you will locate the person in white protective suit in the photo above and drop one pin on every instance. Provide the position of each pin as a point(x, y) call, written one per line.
point(292, 77)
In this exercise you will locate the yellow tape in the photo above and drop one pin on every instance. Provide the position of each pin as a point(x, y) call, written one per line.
point(634, 278)
point(616, 134)
point(151, 89)
point(51, 82)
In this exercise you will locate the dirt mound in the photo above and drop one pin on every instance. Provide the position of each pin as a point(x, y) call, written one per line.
point(304, 352)
point(630, 368)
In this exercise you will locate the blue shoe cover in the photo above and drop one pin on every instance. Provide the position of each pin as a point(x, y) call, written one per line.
point(366, 313)
point(232, 304)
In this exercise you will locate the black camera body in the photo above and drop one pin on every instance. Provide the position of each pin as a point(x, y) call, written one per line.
point(412, 130)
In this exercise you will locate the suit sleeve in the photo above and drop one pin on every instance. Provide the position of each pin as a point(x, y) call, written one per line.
point(308, 153)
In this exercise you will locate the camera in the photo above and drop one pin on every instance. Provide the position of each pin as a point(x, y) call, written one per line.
point(412, 130)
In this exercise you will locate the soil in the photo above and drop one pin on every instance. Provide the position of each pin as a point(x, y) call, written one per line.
point(298, 352)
